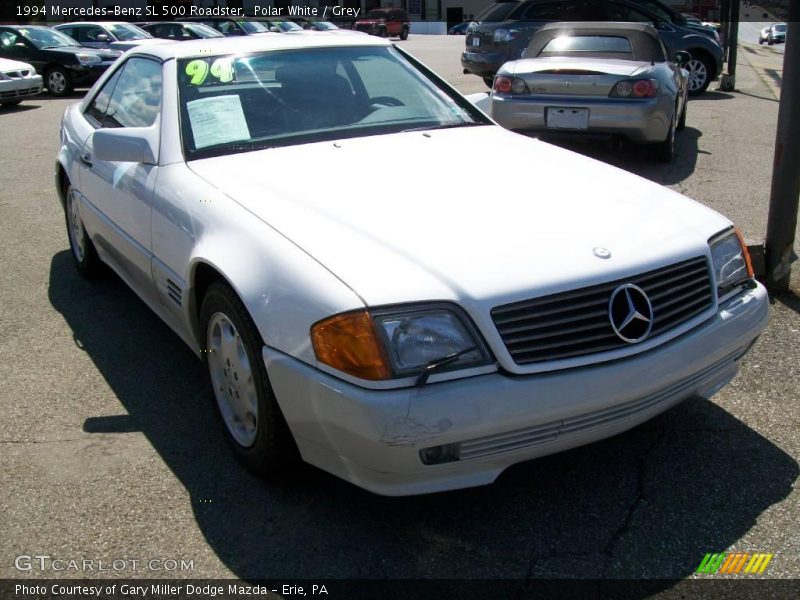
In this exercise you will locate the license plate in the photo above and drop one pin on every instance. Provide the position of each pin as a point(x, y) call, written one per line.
point(564, 117)
point(476, 41)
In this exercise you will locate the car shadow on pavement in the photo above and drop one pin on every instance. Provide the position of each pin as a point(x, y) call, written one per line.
point(648, 503)
point(638, 159)
point(19, 108)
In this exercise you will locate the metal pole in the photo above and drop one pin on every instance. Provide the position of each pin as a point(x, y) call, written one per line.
point(725, 17)
point(733, 43)
point(783, 201)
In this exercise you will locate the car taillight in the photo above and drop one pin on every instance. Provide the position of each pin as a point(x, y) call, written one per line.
point(635, 88)
point(509, 85)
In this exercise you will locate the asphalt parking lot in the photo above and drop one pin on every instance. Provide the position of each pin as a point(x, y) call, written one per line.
point(110, 448)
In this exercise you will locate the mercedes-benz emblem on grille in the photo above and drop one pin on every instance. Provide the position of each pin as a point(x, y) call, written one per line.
point(630, 313)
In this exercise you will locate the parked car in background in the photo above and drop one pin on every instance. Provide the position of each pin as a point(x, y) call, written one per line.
point(460, 29)
point(763, 35)
point(385, 22)
point(316, 25)
point(277, 24)
point(610, 79)
point(504, 30)
point(108, 35)
point(230, 26)
point(175, 31)
point(776, 34)
point(62, 61)
point(351, 327)
point(18, 81)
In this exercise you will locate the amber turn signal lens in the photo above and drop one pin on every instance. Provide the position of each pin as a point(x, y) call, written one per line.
point(745, 252)
point(350, 343)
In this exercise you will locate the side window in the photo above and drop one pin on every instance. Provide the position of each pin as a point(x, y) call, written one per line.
point(70, 31)
point(136, 99)
point(92, 32)
point(97, 109)
point(78, 34)
point(573, 10)
point(8, 39)
point(624, 13)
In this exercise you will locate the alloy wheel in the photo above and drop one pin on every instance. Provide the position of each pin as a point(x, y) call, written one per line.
point(56, 82)
point(77, 235)
point(232, 379)
point(698, 73)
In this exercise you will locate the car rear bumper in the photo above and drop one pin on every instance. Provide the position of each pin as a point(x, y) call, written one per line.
point(483, 64)
point(373, 438)
point(641, 121)
point(20, 88)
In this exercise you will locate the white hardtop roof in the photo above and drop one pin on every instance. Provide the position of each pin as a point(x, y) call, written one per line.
point(100, 23)
point(255, 43)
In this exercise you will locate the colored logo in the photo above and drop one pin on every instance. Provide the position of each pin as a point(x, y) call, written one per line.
point(735, 563)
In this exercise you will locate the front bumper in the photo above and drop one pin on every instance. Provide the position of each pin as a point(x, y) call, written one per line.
point(16, 89)
point(641, 121)
point(373, 438)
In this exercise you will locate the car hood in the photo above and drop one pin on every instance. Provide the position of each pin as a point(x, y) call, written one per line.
point(6, 64)
point(477, 215)
point(551, 63)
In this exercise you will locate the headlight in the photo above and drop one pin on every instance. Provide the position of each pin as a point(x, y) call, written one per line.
point(504, 35)
point(395, 343)
point(731, 261)
point(89, 59)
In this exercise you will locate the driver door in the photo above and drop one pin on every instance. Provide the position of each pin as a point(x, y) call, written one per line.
point(118, 195)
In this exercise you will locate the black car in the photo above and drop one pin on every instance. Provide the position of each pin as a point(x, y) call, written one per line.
point(172, 30)
point(504, 30)
point(62, 61)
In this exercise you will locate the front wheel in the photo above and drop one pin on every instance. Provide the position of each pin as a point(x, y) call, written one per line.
point(58, 81)
point(382, 32)
point(245, 402)
point(700, 73)
point(489, 81)
point(404, 33)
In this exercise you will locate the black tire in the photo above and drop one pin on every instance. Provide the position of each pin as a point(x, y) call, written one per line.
point(682, 120)
point(770, 42)
point(404, 33)
point(9, 103)
point(81, 247)
point(665, 151)
point(489, 81)
point(710, 73)
point(273, 450)
point(58, 81)
point(382, 32)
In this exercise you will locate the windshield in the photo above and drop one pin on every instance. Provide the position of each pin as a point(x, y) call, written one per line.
point(125, 33)
point(43, 38)
point(323, 25)
point(202, 31)
point(234, 104)
point(376, 14)
point(285, 25)
point(253, 26)
point(780, 28)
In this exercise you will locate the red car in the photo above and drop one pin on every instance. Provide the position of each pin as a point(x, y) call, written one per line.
point(385, 22)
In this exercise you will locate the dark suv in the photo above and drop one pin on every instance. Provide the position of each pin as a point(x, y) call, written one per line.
point(385, 22)
point(504, 29)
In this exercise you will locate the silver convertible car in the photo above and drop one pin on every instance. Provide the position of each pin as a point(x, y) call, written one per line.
point(404, 338)
point(611, 79)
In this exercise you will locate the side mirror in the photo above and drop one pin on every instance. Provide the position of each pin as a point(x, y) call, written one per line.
point(102, 37)
point(127, 144)
point(682, 58)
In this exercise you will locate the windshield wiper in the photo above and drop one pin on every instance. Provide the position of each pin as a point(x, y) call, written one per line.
point(448, 126)
point(439, 363)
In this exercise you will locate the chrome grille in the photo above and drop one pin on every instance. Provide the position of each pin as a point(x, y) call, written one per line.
point(576, 323)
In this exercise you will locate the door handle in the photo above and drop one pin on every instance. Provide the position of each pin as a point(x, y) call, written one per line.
point(86, 159)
